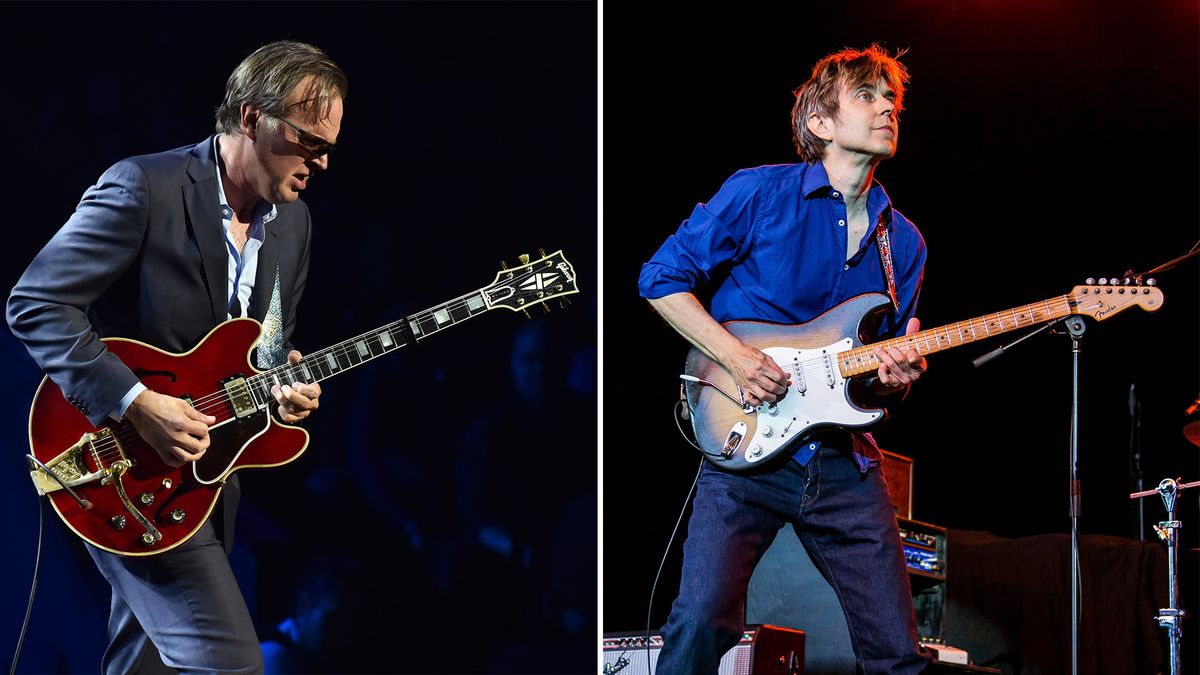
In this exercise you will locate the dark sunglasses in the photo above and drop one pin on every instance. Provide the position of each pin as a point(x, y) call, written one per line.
point(315, 144)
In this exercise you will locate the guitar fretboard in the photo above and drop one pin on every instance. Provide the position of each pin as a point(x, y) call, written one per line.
point(862, 360)
point(356, 351)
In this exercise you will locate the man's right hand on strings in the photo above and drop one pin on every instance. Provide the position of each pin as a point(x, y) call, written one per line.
point(177, 431)
point(756, 374)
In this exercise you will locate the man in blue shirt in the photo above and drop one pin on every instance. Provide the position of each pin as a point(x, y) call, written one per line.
point(784, 244)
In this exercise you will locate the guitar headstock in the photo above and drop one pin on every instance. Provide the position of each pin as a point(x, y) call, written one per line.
point(532, 283)
point(1103, 298)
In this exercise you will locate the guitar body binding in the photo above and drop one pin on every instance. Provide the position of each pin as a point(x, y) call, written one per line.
point(175, 501)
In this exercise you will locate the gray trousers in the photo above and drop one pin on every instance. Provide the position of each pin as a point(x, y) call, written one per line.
point(181, 611)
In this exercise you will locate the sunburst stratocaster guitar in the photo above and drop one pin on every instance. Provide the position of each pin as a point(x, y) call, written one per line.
point(112, 489)
point(826, 356)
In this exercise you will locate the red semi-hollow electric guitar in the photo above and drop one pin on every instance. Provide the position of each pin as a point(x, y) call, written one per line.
point(112, 489)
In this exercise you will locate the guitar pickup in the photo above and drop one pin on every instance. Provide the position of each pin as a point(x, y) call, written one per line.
point(240, 397)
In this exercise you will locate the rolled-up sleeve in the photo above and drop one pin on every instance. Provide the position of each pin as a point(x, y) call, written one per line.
point(717, 232)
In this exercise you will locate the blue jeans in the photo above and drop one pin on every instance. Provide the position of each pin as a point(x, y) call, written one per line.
point(181, 609)
point(846, 523)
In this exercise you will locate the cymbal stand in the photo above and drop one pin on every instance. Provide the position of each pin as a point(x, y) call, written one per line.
point(1171, 617)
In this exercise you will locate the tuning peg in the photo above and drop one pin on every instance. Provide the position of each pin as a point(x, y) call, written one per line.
point(564, 303)
point(1103, 281)
point(541, 253)
point(1090, 281)
point(503, 265)
point(1128, 281)
point(523, 258)
point(1114, 281)
point(1151, 282)
point(545, 309)
point(526, 313)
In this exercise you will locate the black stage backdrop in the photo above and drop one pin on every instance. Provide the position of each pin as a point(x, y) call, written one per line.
point(1043, 143)
point(469, 137)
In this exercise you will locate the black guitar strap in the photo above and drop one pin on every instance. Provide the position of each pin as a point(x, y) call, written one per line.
point(885, 256)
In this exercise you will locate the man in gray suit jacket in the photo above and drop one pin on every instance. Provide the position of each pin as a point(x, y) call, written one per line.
point(162, 249)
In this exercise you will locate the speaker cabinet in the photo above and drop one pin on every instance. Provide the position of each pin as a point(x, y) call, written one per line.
point(898, 474)
point(763, 650)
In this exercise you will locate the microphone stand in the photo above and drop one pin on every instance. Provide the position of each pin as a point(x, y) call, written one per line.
point(1170, 617)
point(1075, 328)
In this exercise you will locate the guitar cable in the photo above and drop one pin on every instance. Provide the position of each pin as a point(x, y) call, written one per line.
point(37, 562)
point(680, 413)
point(683, 412)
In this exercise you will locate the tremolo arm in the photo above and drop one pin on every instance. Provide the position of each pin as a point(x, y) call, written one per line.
point(69, 469)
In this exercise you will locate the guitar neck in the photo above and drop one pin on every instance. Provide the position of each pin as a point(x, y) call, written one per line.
point(356, 351)
point(862, 360)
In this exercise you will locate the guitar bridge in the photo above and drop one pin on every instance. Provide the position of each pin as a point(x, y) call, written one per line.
point(240, 397)
point(71, 466)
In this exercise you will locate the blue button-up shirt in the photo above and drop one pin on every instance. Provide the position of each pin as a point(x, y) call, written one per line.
point(774, 237)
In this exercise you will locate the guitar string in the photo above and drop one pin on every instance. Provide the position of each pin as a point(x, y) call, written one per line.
point(967, 332)
point(817, 364)
point(972, 331)
point(463, 301)
point(108, 449)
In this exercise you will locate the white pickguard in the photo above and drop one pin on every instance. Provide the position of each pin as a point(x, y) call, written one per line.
point(817, 396)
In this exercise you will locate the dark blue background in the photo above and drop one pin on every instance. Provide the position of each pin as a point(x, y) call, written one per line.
point(469, 137)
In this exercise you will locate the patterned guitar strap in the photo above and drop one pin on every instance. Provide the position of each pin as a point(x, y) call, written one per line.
point(885, 256)
point(270, 345)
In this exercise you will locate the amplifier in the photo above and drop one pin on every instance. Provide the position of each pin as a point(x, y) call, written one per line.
point(924, 547)
point(763, 650)
point(925, 555)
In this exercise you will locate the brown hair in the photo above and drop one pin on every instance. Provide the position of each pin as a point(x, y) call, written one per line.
point(267, 77)
point(851, 68)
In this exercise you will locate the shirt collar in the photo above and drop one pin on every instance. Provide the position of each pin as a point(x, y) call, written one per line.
point(264, 212)
point(816, 183)
point(815, 178)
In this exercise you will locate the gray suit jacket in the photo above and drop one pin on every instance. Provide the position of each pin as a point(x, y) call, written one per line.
point(144, 257)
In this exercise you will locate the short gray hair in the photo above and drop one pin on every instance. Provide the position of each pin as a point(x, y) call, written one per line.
point(268, 76)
